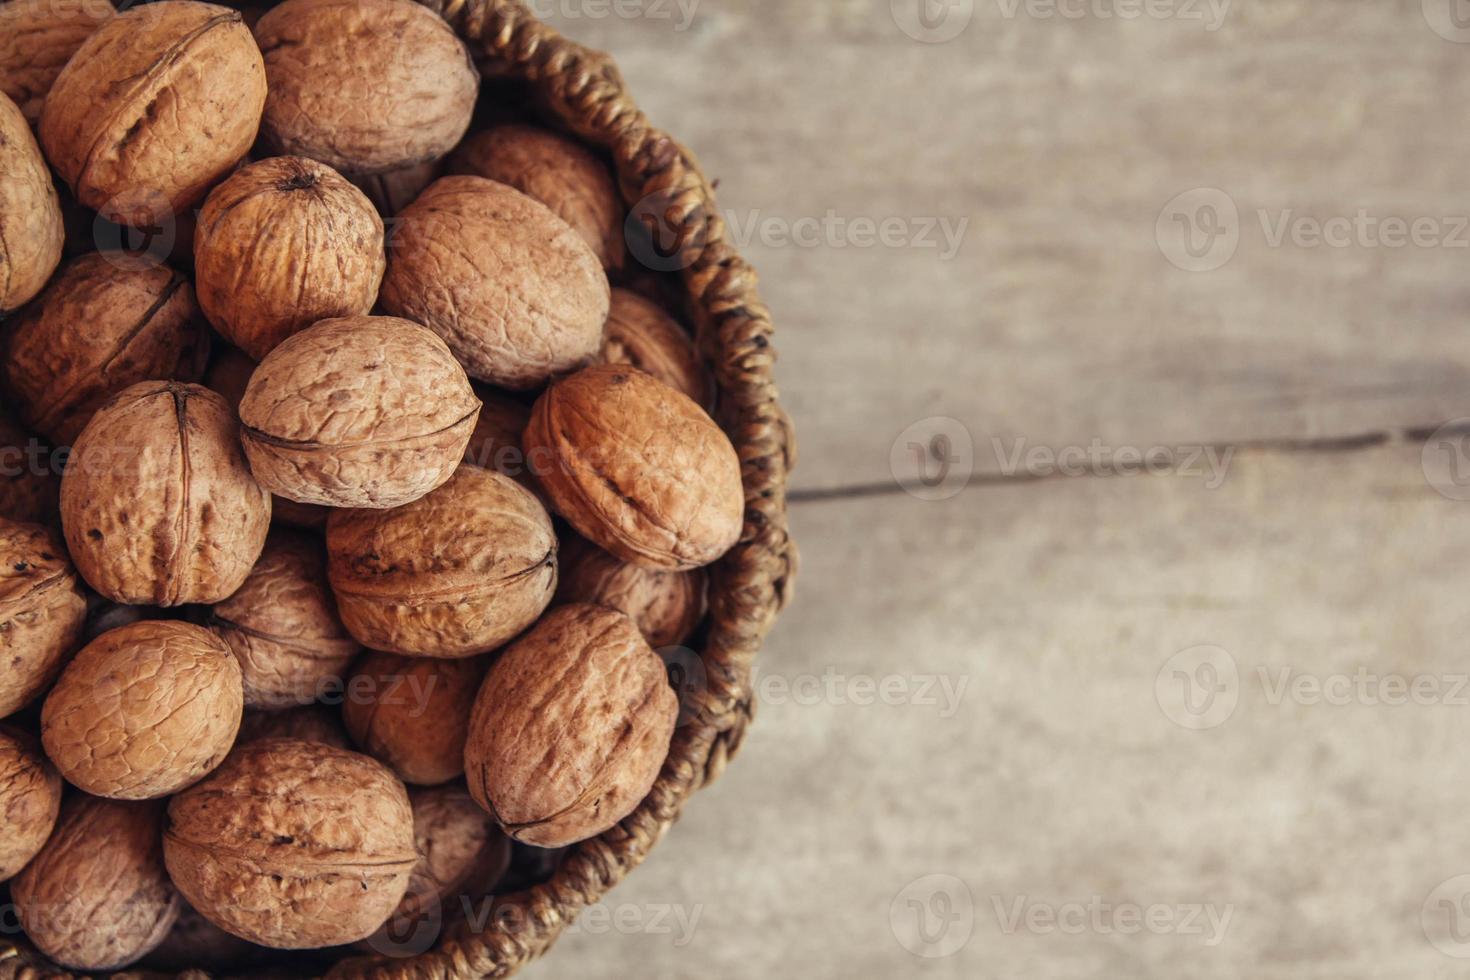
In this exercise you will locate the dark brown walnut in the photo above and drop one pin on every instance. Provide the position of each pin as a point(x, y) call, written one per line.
point(311, 722)
point(411, 713)
point(282, 625)
point(157, 503)
point(537, 313)
point(281, 244)
point(293, 844)
point(30, 798)
point(97, 896)
point(108, 320)
point(154, 108)
point(637, 468)
point(665, 604)
point(30, 475)
point(367, 411)
point(452, 575)
point(144, 710)
point(364, 86)
point(395, 190)
point(641, 335)
point(31, 228)
point(37, 39)
point(570, 728)
point(558, 171)
point(42, 612)
point(496, 441)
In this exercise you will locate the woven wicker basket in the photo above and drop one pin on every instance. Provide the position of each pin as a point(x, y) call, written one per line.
point(582, 89)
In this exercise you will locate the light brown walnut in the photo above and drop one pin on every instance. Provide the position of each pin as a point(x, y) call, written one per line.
point(31, 228)
point(665, 604)
point(37, 39)
point(30, 798)
point(412, 713)
point(42, 612)
point(641, 335)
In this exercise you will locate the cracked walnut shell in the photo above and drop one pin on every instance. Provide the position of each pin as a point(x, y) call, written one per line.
point(31, 229)
point(42, 612)
point(37, 39)
point(30, 798)
point(412, 713)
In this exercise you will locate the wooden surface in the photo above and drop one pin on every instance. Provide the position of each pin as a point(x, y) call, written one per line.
point(1061, 779)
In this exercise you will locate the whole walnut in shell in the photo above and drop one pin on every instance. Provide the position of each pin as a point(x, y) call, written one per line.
point(310, 722)
point(157, 503)
point(357, 412)
point(666, 605)
point(570, 728)
point(37, 39)
point(558, 171)
point(282, 625)
point(144, 710)
point(412, 713)
point(281, 244)
point(539, 309)
point(156, 105)
point(454, 574)
point(42, 612)
point(31, 228)
point(30, 798)
point(108, 320)
point(641, 335)
point(293, 844)
point(364, 86)
point(30, 475)
point(97, 896)
point(637, 468)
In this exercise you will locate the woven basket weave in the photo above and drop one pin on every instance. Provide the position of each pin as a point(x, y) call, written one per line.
point(584, 91)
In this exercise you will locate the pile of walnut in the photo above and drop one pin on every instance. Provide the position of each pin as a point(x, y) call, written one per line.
point(375, 482)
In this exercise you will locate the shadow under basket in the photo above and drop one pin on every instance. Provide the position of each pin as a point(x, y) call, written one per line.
point(581, 91)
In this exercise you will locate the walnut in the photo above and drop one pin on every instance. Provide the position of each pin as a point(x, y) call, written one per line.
point(496, 442)
point(37, 39)
point(411, 713)
point(311, 722)
point(30, 797)
point(558, 171)
point(30, 483)
point(108, 320)
point(452, 575)
point(282, 244)
point(293, 844)
point(144, 710)
point(154, 108)
point(42, 612)
point(570, 728)
point(97, 896)
point(31, 228)
point(282, 625)
point(157, 503)
point(642, 335)
point(637, 468)
point(364, 86)
point(665, 604)
point(357, 412)
point(539, 313)
point(395, 190)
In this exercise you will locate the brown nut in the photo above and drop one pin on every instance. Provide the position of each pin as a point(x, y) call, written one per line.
point(570, 727)
point(666, 605)
point(454, 574)
point(282, 625)
point(42, 612)
point(157, 503)
point(30, 798)
point(37, 39)
point(30, 479)
point(368, 411)
point(97, 896)
point(158, 104)
point(293, 844)
point(144, 710)
point(539, 313)
point(31, 228)
point(558, 171)
point(395, 190)
point(411, 713)
point(364, 86)
point(637, 468)
point(496, 441)
point(310, 722)
point(282, 244)
point(641, 335)
point(108, 320)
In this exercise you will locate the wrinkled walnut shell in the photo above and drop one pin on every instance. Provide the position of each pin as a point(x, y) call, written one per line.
point(666, 605)
point(282, 244)
point(570, 728)
point(158, 104)
point(412, 713)
point(454, 574)
point(42, 612)
point(293, 844)
point(641, 335)
point(31, 228)
point(310, 722)
point(97, 896)
point(366, 411)
point(30, 798)
point(109, 320)
point(37, 39)
point(539, 311)
point(637, 468)
point(157, 503)
point(144, 710)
